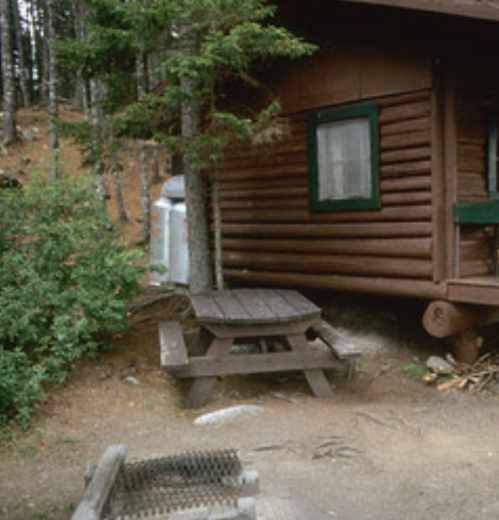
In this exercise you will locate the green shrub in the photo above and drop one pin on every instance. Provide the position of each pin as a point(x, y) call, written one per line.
point(65, 279)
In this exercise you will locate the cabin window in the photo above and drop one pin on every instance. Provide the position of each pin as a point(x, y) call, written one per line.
point(493, 156)
point(343, 158)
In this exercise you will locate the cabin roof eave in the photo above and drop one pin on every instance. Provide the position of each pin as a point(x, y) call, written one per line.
point(477, 9)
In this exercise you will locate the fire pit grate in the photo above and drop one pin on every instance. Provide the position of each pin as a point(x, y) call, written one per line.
point(160, 486)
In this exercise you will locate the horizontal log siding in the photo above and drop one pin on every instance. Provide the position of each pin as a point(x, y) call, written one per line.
point(471, 164)
point(270, 236)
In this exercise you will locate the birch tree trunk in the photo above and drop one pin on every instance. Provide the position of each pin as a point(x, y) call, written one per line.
point(9, 94)
point(143, 163)
point(96, 98)
point(23, 68)
point(52, 88)
point(198, 240)
point(156, 177)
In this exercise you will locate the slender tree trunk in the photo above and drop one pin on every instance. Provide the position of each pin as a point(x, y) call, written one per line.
point(53, 103)
point(217, 221)
point(9, 94)
point(144, 169)
point(44, 54)
point(115, 171)
point(199, 252)
point(156, 178)
point(96, 98)
point(23, 69)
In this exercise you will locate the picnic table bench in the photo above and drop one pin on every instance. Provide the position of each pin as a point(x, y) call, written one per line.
point(259, 315)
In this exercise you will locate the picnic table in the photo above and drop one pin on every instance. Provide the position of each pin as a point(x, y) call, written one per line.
point(255, 315)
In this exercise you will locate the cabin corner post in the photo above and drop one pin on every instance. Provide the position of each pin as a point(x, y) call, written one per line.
point(458, 323)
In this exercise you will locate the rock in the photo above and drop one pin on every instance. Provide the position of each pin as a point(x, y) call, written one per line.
point(227, 414)
point(132, 380)
point(439, 365)
point(28, 136)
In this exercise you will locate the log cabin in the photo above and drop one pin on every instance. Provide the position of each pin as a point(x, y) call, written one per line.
point(385, 178)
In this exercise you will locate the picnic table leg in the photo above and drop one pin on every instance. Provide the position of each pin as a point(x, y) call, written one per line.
point(316, 378)
point(202, 386)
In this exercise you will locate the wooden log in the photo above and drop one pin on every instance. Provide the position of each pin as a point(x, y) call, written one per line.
point(286, 157)
point(399, 127)
point(356, 265)
point(405, 140)
point(358, 284)
point(396, 214)
point(418, 183)
point(367, 230)
point(257, 185)
point(404, 99)
point(405, 169)
point(267, 171)
point(409, 198)
point(399, 248)
point(465, 346)
point(263, 204)
point(443, 319)
point(404, 112)
point(406, 155)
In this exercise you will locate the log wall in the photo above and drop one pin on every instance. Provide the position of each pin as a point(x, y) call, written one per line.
point(472, 106)
point(270, 236)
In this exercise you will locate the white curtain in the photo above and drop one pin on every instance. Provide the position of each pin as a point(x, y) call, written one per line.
point(344, 159)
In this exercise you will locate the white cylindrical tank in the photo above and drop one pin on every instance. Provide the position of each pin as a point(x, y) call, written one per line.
point(179, 252)
point(160, 239)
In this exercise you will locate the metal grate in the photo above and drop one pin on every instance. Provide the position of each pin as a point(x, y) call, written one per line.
point(160, 486)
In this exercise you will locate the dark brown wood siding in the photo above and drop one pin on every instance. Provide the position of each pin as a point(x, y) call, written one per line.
point(270, 236)
point(472, 107)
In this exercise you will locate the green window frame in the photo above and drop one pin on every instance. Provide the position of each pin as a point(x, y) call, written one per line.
point(492, 156)
point(367, 113)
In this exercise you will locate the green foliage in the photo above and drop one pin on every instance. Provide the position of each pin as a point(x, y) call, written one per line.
point(65, 279)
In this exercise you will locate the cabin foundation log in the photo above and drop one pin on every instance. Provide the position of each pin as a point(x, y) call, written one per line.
point(444, 319)
point(466, 346)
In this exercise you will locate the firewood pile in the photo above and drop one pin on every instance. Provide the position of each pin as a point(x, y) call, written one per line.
point(479, 377)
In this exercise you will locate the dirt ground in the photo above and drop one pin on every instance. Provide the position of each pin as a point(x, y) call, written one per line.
point(385, 447)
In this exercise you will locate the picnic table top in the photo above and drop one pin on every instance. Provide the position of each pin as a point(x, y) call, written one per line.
point(253, 306)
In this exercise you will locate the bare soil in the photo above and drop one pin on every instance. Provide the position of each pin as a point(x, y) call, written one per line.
point(385, 447)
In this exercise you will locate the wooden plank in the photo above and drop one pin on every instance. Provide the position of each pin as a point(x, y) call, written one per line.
point(367, 230)
point(205, 308)
point(404, 99)
point(173, 350)
point(256, 186)
point(230, 307)
point(269, 193)
point(395, 247)
point(277, 306)
point(474, 291)
point(358, 284)
point(303, 306)
point(357, 265)
point(342, 347)
point(253, 303)
point(96, 497)
point(258, 364)
point(263, 203)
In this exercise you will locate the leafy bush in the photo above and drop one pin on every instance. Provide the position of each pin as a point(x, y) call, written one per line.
point(65, 279)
